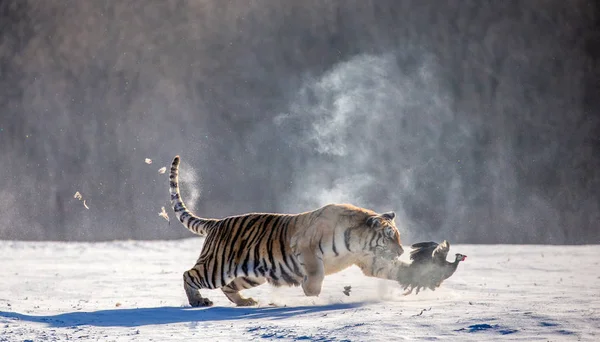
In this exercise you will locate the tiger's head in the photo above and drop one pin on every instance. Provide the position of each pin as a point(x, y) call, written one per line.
point(383, 238)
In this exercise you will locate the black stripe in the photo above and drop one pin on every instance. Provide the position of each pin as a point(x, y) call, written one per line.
point(195, 224)
point(371, 241)
point(183, 216)
point(379, 238)
point(240, 228)
point(227, 232)
point(209, 251)
point(258, 232)
point(256, 260)
point(208, 247)
point(213, 263)
point(333, 245)
point(321, 247)
point(195, 280)
point(270, 241)
point(236, 251)
point(259, 270)
point(347, 239)
point(245, 265)
point(282, 242)
point(251, 282)
point(232, 285)
point(262, 231)
point(287, 278)
point(261, 228)
point(250, 230)
point(251, 243)
point(209, 242)
point(297, 270)
point(253, 235)
point(264, 267)
point(192, 285)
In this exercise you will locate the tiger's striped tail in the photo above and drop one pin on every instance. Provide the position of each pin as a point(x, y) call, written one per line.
point(195, 224)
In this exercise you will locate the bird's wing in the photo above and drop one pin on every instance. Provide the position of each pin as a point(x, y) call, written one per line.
point(441, 251)
point(424, 244)
point(422, 251)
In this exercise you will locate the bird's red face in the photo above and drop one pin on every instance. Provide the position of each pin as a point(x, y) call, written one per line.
point(461, 257)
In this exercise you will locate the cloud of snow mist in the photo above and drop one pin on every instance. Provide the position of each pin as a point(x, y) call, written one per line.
point(190, 185)
point(368, 122)
point(385, 132)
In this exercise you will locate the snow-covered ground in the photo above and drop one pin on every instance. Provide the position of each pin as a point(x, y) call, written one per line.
point(132, 291)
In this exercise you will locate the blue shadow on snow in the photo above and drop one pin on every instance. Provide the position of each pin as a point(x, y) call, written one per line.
point(483, 327)
point(167, 315)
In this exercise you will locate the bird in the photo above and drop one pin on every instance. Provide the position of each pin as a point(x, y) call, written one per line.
point(430, 266)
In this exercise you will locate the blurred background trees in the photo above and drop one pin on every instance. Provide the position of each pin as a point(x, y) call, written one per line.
point(476, 121)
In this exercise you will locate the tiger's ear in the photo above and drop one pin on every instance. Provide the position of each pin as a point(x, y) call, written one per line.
point(390, 215)
point(373, 222)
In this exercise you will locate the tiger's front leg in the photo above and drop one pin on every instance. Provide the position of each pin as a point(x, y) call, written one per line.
point(314, 273)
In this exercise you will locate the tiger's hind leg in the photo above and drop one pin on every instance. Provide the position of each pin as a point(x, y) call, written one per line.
point(193, 281)
point(232, 290)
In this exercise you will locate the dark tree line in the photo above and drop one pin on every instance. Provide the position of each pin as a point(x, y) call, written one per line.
point(477, 121)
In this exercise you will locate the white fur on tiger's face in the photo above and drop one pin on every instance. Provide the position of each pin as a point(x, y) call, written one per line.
point(248, 250)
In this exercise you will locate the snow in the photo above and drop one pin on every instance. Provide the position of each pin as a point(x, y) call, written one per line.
point(132, 291)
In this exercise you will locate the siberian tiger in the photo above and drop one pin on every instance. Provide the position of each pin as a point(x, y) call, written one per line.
point(241, 252)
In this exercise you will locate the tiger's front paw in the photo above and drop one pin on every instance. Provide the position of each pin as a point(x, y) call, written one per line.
point(311, 292)
point(311, 287)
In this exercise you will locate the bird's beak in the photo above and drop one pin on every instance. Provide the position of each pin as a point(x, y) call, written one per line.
point(464, 258)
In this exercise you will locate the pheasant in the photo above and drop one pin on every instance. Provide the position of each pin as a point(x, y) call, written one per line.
point(430, 266)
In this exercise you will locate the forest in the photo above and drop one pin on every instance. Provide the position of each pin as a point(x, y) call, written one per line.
point(475, 121)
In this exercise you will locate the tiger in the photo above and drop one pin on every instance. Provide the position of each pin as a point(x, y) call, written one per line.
point(248, 250)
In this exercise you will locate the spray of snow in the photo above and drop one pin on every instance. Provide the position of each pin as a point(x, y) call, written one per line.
point(349, 116)
point(190, 185)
